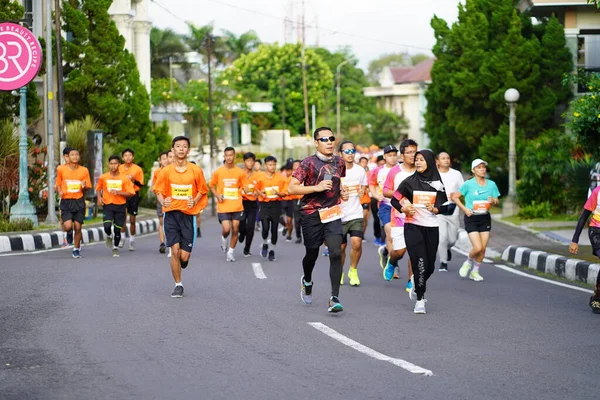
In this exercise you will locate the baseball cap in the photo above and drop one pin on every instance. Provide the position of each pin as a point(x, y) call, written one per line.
point(477, 162)
point(389, 148)
point(380, 157)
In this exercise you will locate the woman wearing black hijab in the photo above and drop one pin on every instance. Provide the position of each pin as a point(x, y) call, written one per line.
point(421, 197)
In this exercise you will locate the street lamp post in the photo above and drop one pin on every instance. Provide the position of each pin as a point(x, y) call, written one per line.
point(339, 95)
point(509, 206)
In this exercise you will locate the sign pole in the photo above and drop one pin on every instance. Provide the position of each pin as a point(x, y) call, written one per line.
point(51, 218)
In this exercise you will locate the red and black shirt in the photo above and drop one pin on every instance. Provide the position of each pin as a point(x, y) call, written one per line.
point(310, 173)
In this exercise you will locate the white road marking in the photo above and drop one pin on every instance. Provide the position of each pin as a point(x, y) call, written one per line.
point(415, 369)
point(258, 271)
point(537, 278)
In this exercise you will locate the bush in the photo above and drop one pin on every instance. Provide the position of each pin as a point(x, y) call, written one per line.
point(536, 210)
point(18, 225)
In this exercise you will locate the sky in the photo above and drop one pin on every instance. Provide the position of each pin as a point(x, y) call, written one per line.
point(370, 27)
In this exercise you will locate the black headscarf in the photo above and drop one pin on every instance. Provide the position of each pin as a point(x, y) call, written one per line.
point(426, 181)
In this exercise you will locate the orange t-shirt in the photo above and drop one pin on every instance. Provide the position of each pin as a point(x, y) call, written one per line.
point(271, 186)
point(135, 171)
point(70, 181)
point(155, 177)
point(229, 182)
point(120, 182)
point(250, 184)
point(290, 196)
point(180, 186)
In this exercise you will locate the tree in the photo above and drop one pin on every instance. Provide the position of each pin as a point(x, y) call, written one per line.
point(488, 50)
point(392, 60)
point(165, 44)
point(583, 117)
point(237, 46)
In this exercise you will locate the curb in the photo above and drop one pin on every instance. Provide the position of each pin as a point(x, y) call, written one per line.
point(48, 240)
point(569, 268)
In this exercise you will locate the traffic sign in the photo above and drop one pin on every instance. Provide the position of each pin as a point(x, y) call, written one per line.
point(20, 56)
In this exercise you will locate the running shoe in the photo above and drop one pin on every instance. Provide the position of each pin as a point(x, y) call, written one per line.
point(396, 273)
point(334, 305)
point(420, 307)
point(241, 237)
point(247, 253)
point(475, 276)
point(265, 250)
point(115, 253)
point(353, 276)
point(162, 249)
point(131, 246)
point(70, 237)
point(412, 295)
point(122, 243)
point(76, 253)
point(272, 255)
point(342, 279)
point(449, 257)
point(64, 243)
point(595, 304)
point(378, 242)
point(381, 252)
point(464, 270)
point(388, 271)
point(283, 231)
point(108, 242)
point(306, 291)
point(298, 240)
point(409, 286)
point(288, 239)
point(326, 252)
point(443, 267)
point(230, 257)
point(177, 292)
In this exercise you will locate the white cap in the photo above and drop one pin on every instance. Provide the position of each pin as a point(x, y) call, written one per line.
point(476, 162)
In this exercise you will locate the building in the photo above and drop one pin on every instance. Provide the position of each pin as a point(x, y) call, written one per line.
point(401, 90)
point(133, 23)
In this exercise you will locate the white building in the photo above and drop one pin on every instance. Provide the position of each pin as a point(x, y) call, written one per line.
point(401, 90)
point(133, 22)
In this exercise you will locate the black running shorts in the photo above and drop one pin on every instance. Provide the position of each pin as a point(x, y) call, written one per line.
point(478, 223)
point(314, 232)
point(133, 203)
point(114, 213)
point(180, 228)
point(72, 210)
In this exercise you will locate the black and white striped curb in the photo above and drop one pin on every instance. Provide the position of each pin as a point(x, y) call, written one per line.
point(48, 240)
point(570, 268)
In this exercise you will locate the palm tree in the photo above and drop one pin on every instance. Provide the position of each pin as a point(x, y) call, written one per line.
point(238, 46)
point(203, 41)
point(165, 44)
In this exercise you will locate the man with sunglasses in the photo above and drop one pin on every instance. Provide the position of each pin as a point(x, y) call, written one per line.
point(355, 184)
point(318, 179)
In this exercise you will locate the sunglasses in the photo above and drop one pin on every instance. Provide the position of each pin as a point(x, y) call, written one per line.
point(326, 139)
point(349, 151)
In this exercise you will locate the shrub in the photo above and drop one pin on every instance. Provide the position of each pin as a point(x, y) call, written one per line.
point(18, 225)
point(536, 210)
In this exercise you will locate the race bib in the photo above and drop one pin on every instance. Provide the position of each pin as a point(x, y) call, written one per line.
point(481, 206)
point(230, 193)
point(73, 186)
point(352, 187)
point(330, 214)
point(114, 184)
point(422, 199)
point(271, 192)
point(181, 192)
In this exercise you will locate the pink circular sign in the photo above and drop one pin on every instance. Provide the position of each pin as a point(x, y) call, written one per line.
point(20, 56)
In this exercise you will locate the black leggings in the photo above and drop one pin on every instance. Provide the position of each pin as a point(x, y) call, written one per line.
point(421, 244)
point(334, 244)
point(297, 226)
point(376, 223)
point(247, 224)
point(107, 229)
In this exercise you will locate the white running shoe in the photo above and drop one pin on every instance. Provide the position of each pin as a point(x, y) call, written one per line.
point(224, 246)
point(420, 307)
point(464, 270)
point(230, 257)
point(475, 276)
point(412, 295)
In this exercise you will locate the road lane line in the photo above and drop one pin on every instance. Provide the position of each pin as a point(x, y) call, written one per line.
point(412, 368)
point(258, 271)
point(537, 278)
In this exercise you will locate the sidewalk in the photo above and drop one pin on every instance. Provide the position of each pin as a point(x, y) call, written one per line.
point(544, 251)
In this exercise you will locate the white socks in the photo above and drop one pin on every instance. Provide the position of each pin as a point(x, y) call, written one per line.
point(178, 284)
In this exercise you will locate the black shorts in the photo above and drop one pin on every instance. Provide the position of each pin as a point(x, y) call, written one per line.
point(314, 232)
point(180, 228)
point(594, 235)
point(133, 204)
point(232, 216)
point(288, 207)
point(72, 210)
point(354, 228)
point(114, 213)
point(478, 223)
point(366, 206)
point(270, 210)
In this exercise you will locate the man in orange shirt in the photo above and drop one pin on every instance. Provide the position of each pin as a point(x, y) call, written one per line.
point(181, 189)
point(136, 175)
point(288, 205)
point(72, 181)
point(113, 191)
point(68, 239)
point(249, 201)
point(226, 184)
point(271, 188)
point(165, 158)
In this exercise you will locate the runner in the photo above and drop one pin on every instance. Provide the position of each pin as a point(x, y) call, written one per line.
point(372, 179)
point(68, 237)
point(296, 208)
point(480, 194)
point(591, 207)
point(318, 179)
point(449, 224)
point(271, 188)
point(72, 181)
point(288, 204)
point(165, 158)
point(113, 190)
point(226, 184)
point(421, 197)
point(250, 203)
point(355, 184)
point(136, 175)
point(365, 200)
point(181, 190)
point(408, 149)
point(390, 154)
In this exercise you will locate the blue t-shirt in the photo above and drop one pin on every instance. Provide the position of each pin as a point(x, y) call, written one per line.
point(474, 192)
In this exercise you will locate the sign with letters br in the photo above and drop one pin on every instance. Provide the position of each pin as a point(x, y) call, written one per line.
point(20, 56)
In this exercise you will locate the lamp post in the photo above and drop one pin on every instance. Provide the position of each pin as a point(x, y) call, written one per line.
point(509, 206)
point(339, 95)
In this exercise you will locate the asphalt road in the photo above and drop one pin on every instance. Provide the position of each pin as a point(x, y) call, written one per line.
point(100, 328)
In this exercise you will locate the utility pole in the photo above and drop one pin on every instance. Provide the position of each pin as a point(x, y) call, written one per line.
point(304, 84)
point(211, 127)
point(62, 126)
point(282, 82)
point(51, 218)
point(339, 96)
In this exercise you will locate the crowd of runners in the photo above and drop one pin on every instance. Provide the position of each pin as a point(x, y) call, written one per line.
point(323, 201)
